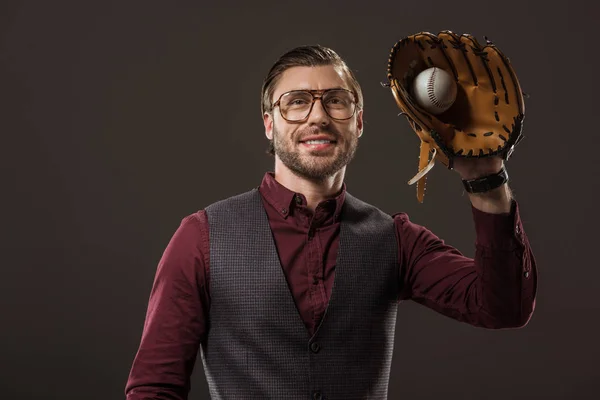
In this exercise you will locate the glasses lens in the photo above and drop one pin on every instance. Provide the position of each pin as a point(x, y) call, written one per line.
point(338, 103)
point(295, 106)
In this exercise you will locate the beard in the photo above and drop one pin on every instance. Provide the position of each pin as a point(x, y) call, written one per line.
point(315, 166)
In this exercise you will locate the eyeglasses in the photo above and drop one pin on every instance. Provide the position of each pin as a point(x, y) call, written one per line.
point(295, 106)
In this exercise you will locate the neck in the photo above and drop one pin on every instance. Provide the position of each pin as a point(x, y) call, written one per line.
point(315, 191)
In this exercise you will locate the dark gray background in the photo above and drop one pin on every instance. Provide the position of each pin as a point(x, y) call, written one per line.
point(119, 118)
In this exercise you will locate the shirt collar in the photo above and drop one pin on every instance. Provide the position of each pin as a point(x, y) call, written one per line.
point(283, 199)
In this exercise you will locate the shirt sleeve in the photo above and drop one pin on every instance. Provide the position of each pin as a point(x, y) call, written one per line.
point(176, 317)
point(494, 290)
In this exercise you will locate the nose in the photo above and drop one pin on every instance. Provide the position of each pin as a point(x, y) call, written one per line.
point(318, 115)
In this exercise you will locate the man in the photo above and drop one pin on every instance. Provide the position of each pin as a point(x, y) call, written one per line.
point(291, 290)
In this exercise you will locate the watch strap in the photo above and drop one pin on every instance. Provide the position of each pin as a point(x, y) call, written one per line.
point(486, 183)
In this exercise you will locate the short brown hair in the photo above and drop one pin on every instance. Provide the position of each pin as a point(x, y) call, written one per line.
point(305, 56)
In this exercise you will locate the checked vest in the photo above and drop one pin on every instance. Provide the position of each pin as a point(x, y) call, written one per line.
point(258, 346)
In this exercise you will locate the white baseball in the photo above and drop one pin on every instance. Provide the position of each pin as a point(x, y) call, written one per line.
point(434, 90)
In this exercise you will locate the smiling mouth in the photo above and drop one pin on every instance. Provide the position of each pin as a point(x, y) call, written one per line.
point(319, 145)
point(317, 142)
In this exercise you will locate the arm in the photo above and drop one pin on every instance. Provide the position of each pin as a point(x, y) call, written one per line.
point(494, 290)
point(176, 317)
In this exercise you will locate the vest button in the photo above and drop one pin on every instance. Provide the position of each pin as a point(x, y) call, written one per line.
point(317, 395)
point(315, 347)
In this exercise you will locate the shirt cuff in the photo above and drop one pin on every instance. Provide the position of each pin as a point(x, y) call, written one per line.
point(498, 231)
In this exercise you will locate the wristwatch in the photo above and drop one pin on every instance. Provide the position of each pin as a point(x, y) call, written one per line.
point(487, 183)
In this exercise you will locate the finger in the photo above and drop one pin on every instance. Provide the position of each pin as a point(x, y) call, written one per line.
point(434, 52)
point(477, 58)
point(508, 100)
point(508, 88)
point(455, 50)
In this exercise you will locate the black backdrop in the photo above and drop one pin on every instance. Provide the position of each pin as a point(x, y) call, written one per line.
point(119, 118)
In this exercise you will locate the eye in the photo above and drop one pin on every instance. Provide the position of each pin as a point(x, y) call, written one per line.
point(338, 102)
point(296, 99)
point(338, 98)
point(297, 102)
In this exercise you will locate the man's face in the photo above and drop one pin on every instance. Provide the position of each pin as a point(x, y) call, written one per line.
point(312, 160)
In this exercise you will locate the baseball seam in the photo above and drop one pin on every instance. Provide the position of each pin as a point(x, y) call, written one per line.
point(430, 92)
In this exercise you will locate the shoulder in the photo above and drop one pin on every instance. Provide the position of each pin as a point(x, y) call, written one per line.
point(190, 238)
point(401, 220)
point(362, 209)
point(233, 202)
point(193, 226)
point(195, 220)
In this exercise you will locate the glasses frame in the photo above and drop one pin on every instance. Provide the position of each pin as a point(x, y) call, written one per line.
point(316, 95)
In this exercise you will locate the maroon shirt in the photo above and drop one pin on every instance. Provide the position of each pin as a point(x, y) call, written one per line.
point(495, 290)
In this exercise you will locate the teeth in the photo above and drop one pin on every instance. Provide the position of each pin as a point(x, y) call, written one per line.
point(318, 141)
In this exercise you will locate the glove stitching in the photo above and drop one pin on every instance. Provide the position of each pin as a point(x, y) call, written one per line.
point(509, 133)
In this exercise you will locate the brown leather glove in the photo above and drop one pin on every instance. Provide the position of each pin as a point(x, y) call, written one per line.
point(486, 118)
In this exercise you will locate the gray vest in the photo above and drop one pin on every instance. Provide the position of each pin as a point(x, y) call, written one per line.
point(258, 346)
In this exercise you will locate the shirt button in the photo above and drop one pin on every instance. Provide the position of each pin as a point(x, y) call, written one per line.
point(284, 210)
point(518, 230)
point(315, 347)
point(526, 274)
point(298, 200)
point(317, 395)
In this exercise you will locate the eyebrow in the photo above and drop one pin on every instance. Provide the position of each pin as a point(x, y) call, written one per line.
point(293, 90)
point(306, 88)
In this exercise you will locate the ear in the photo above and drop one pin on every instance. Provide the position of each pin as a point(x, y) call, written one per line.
point(268, 122)
point(359, 122)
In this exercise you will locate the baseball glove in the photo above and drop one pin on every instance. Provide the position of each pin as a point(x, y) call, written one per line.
point(486, 119)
